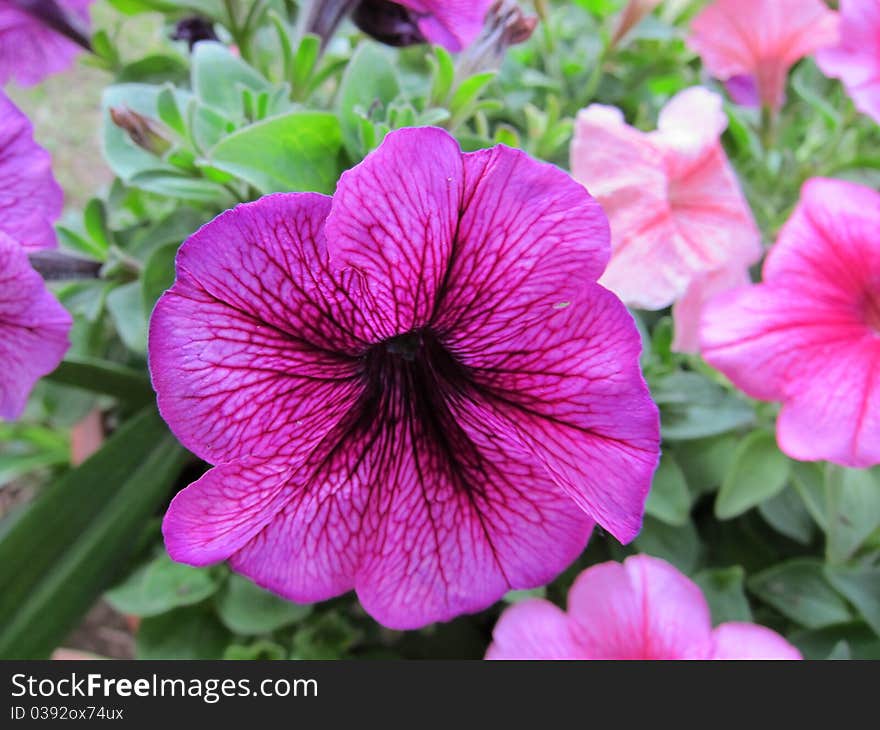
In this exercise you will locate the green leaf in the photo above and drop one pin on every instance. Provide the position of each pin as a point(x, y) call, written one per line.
point(669, 499)
point(293, 152)
point(469, 91)
point(180, 187)
point(799, 589)
point(169, 111)
point(245, 608)
point(78, 243)
point(821, 643)
point(809, 482)
point(443, 75)
point(95, 221)
point(677, 545)
point(304, 62)
point(103, 377)
point(158, 274)
point(723, 588)
point(261, 649)
point(705, 462)
point(13, 466)
point(154, 68)
point(853, 498)
point(370, 81)
point(161, 585)
point(759, 471)
point(218, 78)
point(185, 633)
point(61, 552)
point(692, 407)
point(126, 306)
point(861, 587)
point(787, 514)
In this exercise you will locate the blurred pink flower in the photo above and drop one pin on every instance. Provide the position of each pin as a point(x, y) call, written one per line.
point(856, 60)
point(30, 199)
point(641, 609)
point(676, 209)
point(33, 328)
point(30, 49)
point(761, 40)
point(688, 311)
point(809, 335)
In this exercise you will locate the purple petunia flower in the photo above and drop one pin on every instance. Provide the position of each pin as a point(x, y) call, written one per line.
point(38, 38)
point(30, 199)
point(33, 328)
point(415, 389)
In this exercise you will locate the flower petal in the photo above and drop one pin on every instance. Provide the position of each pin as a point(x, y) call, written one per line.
point(394, 221)
point(513, 261)
point(533, 629)
point(31, 50)
point(569, 388)
point(453, 24)
point(688, 311)
point(856, 59)
point(214, 516)
point(426, 519)
point(250, 350)
point(750, 641)
point(34, 328)
point(30, 199)
point(641, 609)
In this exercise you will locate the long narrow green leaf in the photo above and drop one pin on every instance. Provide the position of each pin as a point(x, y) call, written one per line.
point(104, 378)
point(61, 553)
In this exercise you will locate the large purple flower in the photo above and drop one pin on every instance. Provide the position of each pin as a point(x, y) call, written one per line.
point(415, 389)
point(36, 38)
point(30, 199)
point(33, 328)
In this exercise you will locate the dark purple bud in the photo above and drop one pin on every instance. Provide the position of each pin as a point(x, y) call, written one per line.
point(143, 131)
point(388, 23)
point(50, 14)
point(194, 29)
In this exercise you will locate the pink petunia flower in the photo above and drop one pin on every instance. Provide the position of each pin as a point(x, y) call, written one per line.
point(756, 42)
point(687, 312)
point(30, 48)
point(809, 335)
point(641, 609)
point(33, 328)
point(856, 60)
point(676, 209)
point(30, 199)
point(414, 389)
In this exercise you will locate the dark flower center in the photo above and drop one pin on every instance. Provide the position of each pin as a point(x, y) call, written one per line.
point(387, 22)
point(410, 360)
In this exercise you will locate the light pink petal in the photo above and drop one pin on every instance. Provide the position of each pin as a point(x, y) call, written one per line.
point(249, 350)
point(569, 387)
point(621, 168)
point(512, 263)
point(214, 516)
point(30, 199)
point(30, 50)
point(424, 509)
point(641, 609)
point(394, 222)
point(761, 39)
point(533, 629)
point(675, 206)
point(453, 24)
point(750, 641)
point(856, 59)
point(693, 120)
point(688, 311)
point(34, 329)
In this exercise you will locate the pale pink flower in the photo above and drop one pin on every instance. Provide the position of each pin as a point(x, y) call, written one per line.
point(688, 311)
point(809, 335)
point(676, 209)
point(761, 40)
point(642, 608)
point(856, 59)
